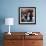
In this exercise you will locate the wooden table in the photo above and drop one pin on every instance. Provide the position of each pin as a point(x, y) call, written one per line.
point(20, 39)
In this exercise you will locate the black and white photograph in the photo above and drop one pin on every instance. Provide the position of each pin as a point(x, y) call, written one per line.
point(27, 15)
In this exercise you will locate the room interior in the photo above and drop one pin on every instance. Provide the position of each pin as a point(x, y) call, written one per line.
point(10, 9)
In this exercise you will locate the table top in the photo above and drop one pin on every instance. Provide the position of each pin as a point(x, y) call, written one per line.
point(22, 35)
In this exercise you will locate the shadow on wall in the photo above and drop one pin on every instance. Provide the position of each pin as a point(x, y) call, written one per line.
point(2, 21)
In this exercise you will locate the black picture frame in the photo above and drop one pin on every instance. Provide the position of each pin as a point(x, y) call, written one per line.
point(27, 15)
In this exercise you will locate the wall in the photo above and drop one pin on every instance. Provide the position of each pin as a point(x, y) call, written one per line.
point(9, 8)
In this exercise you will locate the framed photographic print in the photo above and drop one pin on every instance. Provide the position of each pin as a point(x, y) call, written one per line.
point(27, 15)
